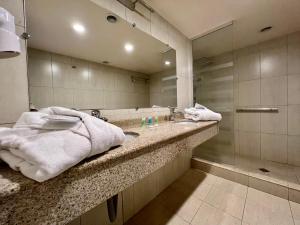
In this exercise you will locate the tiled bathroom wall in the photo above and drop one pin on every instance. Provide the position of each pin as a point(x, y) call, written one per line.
point(13, 72)
point(64, 81)
point(163, 88)
point(268, 75)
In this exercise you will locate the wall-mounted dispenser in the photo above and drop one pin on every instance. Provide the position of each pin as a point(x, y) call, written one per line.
point(9, 41)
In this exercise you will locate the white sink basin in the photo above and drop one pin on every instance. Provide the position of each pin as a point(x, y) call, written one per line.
point(129, 135)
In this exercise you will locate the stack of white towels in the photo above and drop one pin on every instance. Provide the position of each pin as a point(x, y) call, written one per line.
point(201, 113)
point(44, 144)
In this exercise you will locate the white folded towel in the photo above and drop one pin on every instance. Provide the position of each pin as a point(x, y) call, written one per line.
point(201, 113)
point(42, 151)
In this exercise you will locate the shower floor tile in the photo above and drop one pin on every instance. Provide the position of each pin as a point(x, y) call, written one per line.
point(222, 202)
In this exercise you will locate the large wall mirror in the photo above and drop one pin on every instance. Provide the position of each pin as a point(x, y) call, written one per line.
point(82, 56)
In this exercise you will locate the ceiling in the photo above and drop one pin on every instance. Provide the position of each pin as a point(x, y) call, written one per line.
point(50, 25)
point(197, 17)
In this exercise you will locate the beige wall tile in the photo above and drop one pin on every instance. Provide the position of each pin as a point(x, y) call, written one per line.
point(63, 97)
point(63, 75)
point(249, 93)
point(275, 123)
point(99, 215)
point(274, 61)
point(274, 91)
point(249, 122)
point(294, 119)
point(41, 97)
point(294, 150)
point(128, 203)
point(248, 67)
point(249, 144)
point(40, 72)
point(145, 191)
point(89, 85)
point(294, 195)
point(294, 89)
point(274, 147)
point(294, 53)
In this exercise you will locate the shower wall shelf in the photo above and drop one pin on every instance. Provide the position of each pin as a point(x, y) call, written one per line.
point(134, 79)
point(174, 77)
point(216, 67)
point(255, 110)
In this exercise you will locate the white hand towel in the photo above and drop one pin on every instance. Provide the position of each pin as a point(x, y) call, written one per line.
point(201, 113)
point(41, 154)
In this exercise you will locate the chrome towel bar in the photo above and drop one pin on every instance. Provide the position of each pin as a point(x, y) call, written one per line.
point(254, 110)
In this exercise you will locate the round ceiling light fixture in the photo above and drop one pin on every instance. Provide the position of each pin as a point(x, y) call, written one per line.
point(266, 29)
point(129, 47)
point(111, 18)
point(167, 63)
point(79, 28)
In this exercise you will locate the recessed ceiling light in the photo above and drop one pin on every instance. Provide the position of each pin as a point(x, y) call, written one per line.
point(168, 63)
point(128, 47)
point(79, 28)
point(266, 29)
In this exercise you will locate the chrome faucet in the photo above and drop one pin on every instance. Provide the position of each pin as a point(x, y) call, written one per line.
point(173, 114)
point(96, 113)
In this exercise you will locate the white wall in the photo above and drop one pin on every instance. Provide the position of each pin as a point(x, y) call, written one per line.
point(165, 32)
point(13, 72)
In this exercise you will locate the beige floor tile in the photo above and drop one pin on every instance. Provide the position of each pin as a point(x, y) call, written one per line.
point(295, 207)
point(231, 187)
point(152, 214)
point(229, 203)
point(265, 209)
point(189, 208)
point(208, 215)
point(176, 220)
point(195, 183)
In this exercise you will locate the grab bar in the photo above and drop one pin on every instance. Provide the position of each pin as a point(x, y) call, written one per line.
point(254, 110)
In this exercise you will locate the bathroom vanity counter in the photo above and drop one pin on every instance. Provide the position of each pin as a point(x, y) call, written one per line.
point(86, 185)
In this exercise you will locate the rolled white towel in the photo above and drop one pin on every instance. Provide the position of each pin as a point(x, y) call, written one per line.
point(201, 113)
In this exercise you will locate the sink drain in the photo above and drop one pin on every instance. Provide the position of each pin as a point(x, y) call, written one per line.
point(264, 170)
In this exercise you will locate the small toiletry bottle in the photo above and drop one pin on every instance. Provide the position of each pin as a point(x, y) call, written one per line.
point(150, 122)
point(156, 121)
point(143, 122)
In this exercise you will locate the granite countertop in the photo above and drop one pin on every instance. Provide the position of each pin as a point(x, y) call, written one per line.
point(12, 182)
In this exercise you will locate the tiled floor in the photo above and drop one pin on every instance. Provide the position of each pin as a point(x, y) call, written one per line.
point(198, 198)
